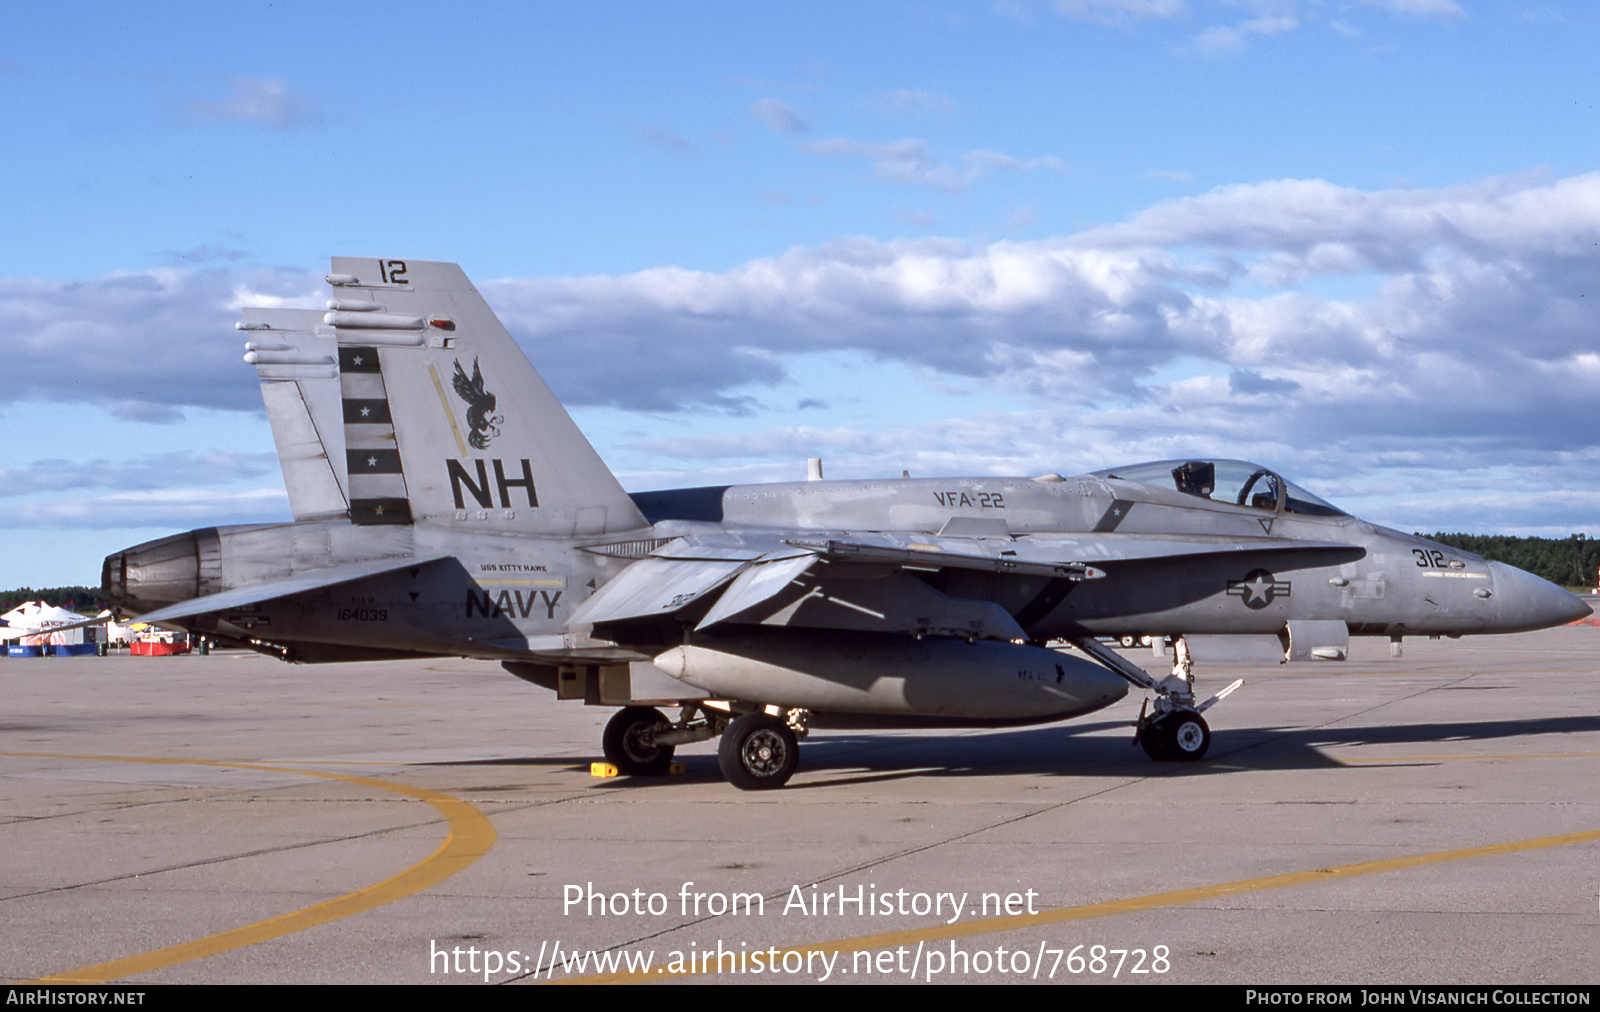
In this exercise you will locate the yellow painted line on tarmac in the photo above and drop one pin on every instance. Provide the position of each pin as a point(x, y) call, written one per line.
point(1458, 758)
point(471, 836)
point(1060, 915)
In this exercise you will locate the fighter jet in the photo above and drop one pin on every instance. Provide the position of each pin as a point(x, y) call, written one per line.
point(446, 505)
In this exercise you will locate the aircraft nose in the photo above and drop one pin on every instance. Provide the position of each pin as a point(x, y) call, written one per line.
point(1528, 602)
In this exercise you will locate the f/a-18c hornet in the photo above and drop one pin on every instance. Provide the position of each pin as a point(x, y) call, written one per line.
point(446, 504)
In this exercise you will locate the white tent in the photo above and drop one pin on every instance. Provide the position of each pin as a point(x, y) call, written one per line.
point(117, 633)
point(31, 625)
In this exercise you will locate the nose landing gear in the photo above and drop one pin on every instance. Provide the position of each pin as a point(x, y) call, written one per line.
point(1177, 735)
point(1173, 729)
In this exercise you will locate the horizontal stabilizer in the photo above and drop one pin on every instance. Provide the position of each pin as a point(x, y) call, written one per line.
point(316, 579)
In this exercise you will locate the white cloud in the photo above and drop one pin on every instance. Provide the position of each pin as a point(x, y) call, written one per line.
point(1219, 32)
point(1118, 12)
point(777, 115)
point(666, 139)
point(162, 509)
point(914, 101)
point(1419, 8)
point(1518, 217)
point(1174, 175)
point(1220, 42)
point(1200, 325)
point(153, 471)
point(912, 161)
point(1477, 289)
point(1192, 328)
point(259, 101)
point(142, 344)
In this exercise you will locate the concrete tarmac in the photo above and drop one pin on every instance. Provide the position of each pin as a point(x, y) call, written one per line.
point(1429, 819)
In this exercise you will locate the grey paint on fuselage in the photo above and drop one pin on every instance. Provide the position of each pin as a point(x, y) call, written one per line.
point(507, 587)
point(1383, 590)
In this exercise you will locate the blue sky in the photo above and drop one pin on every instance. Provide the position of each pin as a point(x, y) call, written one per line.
point(1352, 240)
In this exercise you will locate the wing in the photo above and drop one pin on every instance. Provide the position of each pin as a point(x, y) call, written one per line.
point(886, 582)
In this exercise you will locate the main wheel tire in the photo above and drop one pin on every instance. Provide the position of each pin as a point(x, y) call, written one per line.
point(1184, 736)
point(758, 752)
point(626, 751)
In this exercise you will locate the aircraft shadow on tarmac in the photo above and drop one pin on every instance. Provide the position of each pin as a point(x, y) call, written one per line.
point(846, 758)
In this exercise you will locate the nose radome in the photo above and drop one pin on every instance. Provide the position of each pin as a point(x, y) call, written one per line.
point(1527, 602)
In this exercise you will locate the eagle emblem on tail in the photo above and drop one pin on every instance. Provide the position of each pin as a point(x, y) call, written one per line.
point(480, 406)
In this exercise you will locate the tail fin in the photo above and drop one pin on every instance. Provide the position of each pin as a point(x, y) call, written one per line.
point(295, 355)
point(446, 420)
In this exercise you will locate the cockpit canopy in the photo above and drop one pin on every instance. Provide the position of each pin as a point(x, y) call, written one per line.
point(1231, 481)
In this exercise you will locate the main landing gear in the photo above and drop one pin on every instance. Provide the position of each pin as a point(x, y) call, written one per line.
point(630, 742)
point(758, 751)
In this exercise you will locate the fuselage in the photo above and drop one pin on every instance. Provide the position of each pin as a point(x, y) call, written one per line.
point(507, 596)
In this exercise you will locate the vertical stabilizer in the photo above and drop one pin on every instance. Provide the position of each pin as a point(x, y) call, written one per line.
point(447, 422)
point(295, 355)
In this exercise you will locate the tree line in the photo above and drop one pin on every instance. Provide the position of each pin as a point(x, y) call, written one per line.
point(1569, 561)
point(85, 600)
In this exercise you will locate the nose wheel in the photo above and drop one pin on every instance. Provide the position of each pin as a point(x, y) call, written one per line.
point(1175, 736)
point(1175, 731)
point(758, 752)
